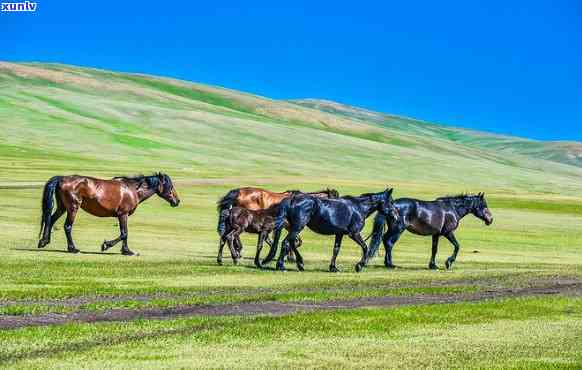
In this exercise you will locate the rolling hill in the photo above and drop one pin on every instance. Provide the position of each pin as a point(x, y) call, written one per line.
point(59, 118)
point(558, 151)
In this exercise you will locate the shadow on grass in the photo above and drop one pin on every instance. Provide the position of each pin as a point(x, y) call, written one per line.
point(63, 251)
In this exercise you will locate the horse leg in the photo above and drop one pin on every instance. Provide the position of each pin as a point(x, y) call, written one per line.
point(451, 238)
point(232, 238)
point(46, 237)
point(356, 237)
point(435, 246)
point(288, 242)
point(110, 243)
point(238, 246)
point(123, 235)
point(298, 256)
point(291, 255)
point(268, 241)
point(336, 248)
point(71, 214)
point(389, 239)
point(298, 243)
point(260, 240)
point(220, 248)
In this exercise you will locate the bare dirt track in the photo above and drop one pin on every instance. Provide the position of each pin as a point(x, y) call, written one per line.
point(282, 308)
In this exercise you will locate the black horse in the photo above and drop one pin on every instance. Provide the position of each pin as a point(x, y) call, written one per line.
point(344, 216)
point(439, 217)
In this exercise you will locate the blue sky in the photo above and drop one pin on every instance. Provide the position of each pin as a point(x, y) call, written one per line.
point(506, 66)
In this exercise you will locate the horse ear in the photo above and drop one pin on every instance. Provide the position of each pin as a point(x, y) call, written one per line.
point(389, 191)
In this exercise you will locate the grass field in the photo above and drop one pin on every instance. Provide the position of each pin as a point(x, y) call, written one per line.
point(57, 119)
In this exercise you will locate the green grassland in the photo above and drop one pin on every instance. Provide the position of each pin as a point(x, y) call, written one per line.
point(57, 119)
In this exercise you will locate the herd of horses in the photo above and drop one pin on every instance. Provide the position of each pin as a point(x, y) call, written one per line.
point(265, 213)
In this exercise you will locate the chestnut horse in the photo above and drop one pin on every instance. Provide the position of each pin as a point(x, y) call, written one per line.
point(118, 197)
point(256, 199)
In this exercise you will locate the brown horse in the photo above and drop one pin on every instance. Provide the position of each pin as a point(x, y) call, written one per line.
point(240, 220)
point(256, 199)
point(118, 197)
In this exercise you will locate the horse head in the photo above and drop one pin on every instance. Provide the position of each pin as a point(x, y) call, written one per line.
point(386, 206)
point(481, 210)
point(166, 189)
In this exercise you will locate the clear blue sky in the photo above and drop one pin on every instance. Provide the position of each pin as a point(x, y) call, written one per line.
point(505, 66)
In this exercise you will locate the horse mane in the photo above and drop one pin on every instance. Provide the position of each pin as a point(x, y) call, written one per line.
point(294, 192)
point(137, 178)
point(461, 196)
point(140, 179)
point(332, 193)
point(357, 197)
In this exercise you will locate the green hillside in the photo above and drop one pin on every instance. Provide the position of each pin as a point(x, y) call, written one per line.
point(87, 120)
point(557, 151)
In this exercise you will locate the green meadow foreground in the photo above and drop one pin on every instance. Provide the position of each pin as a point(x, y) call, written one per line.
point(58, 119)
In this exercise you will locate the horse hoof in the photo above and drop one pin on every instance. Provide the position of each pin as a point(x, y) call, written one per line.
point(236, 261)
point(432, 266)
point(280, 268)
point(105, 246)
point(42, 243)
point(73, 250)
point(127, 253)
point(300, 267)
point(390, 266)
point(359, 267)
point(333, 269)
point(448, 264)
point(219, 262)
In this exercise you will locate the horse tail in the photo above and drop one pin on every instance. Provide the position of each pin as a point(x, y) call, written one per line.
point(48, 203)
point(279, 223)
point(223, 206)
point(377, 231)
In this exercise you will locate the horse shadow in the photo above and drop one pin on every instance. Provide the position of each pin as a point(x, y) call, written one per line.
point(63, 251)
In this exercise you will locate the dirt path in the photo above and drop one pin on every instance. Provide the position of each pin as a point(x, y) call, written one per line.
point(75, 302)
point(281, 308)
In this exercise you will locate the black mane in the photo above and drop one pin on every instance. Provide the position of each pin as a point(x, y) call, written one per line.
point(138, 178)
point(467, 201)
point(359, 197)
point(294, 192)
point(152, 181)
point(332, 193)
point(459, 197)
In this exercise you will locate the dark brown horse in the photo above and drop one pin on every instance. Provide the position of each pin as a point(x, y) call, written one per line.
point(440, 217)
point(257, 199)
point(240, 220)
point(118, 197)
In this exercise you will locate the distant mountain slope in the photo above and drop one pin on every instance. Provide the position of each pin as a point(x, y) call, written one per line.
point(558, 151)
point(64, 119)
